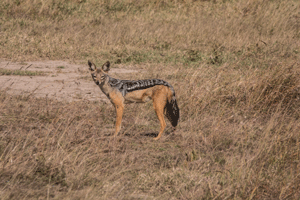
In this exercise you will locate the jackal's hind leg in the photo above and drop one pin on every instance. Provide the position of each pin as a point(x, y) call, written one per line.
point(159, 105)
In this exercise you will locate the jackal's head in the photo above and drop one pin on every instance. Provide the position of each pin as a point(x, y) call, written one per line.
point(99, 75)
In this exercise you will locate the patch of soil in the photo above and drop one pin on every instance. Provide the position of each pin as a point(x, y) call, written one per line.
point(62, 81)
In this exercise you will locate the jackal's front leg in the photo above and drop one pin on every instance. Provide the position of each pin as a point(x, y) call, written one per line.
point(118, 101)
point(119, 111)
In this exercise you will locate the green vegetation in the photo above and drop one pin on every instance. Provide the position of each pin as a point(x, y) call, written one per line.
point(21, 72)
point(234, 66)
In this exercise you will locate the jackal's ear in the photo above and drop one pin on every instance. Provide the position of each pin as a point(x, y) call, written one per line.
point(106, 66)
point(91, 66)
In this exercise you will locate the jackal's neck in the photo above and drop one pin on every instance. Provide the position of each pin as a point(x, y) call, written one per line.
point(105, 86)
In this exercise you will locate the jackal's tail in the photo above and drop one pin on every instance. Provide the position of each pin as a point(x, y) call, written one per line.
point(172, 111)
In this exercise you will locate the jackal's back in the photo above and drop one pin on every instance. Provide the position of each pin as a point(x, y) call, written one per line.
point(126, 86)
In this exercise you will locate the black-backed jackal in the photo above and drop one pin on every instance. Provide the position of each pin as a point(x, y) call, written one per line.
point(121, 92)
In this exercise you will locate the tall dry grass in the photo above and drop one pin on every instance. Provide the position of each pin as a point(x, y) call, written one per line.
point(235, 69)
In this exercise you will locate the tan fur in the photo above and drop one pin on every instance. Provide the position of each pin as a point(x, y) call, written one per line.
point(160, 94)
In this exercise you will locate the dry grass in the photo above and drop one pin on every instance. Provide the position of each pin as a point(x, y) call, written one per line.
point(235, 69)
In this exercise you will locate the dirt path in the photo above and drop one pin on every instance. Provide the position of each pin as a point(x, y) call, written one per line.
point(61, 80)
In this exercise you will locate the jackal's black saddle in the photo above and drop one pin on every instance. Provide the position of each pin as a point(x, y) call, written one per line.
point(125, 86)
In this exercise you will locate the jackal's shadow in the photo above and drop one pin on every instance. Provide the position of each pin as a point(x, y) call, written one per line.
point(154, 134)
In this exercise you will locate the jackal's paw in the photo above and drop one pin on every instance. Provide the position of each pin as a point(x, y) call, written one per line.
point(156, 138)
point(115, 135)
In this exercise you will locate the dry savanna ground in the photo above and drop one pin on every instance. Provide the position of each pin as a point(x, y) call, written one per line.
point(235, 66)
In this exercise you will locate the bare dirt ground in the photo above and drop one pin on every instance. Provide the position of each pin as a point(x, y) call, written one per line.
point(62, 80)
